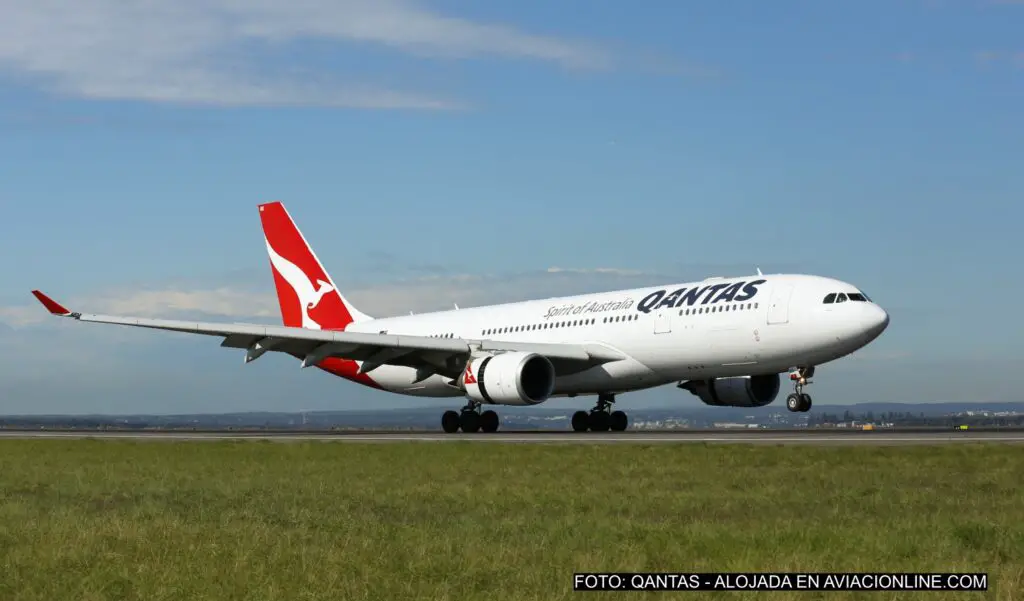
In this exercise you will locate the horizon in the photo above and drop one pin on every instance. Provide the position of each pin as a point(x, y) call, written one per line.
point(526, 411)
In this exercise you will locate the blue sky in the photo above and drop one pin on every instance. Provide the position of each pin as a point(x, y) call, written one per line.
point(448, 151)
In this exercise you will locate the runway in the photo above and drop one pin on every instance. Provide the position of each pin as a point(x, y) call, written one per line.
point(762, 437)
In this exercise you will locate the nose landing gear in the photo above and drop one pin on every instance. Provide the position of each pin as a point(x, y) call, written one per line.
point(800, 401)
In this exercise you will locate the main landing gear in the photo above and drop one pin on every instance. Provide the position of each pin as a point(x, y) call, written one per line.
point(599, 419)
point(470, 420)
point(800, 401)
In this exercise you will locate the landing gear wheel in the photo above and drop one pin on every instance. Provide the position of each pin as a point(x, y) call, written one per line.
point(799, 400)
point(489, 421)
point(580, 421)
point(618, 421)
point(600, 421)
point(470, 422)
point(450, 422)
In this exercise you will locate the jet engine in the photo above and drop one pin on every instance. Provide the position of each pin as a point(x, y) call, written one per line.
point(740, 391)
point(513, 378)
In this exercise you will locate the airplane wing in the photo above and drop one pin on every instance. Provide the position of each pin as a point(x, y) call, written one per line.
point(444, 356)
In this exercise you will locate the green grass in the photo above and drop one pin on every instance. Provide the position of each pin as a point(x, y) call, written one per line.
point(249, 520)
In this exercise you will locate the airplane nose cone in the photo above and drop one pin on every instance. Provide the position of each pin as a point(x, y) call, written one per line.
point(877, 321)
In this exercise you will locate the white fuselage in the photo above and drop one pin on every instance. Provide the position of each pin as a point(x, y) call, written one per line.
point(724, 327)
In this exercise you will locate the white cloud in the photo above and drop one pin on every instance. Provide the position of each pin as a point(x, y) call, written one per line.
point(218, 302)
point(594, 270)
point(225, 302)
point(23, 315)
point(204, 51)
point(988, 58)
point(429, 293)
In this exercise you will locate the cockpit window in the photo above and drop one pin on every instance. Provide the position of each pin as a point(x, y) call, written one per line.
point(829, 299)
point(841, 298)
point(856, 296)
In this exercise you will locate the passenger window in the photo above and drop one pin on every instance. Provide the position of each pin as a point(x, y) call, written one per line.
point(829, 299)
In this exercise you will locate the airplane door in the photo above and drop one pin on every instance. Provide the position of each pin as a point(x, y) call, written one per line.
point(663, 321)
point(778, 306)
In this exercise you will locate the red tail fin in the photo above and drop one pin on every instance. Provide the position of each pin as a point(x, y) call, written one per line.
point(308, 296)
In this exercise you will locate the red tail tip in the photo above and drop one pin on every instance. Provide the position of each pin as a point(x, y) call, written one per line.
point(51, 305)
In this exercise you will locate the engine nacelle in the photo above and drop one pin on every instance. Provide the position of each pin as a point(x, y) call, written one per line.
point(513, 378)
point(740, 391)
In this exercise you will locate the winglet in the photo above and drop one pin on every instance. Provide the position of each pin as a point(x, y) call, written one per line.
point(51, 305)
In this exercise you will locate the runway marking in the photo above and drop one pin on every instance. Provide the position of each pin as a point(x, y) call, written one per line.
point(678, 437)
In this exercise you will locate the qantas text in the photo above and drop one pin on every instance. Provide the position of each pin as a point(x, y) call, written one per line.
point(711, 294)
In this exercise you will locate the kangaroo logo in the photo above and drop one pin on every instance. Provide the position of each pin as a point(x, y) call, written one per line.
point(309, 297)
point(469, 377)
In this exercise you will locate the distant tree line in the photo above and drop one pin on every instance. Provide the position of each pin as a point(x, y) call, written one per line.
point(908, 419)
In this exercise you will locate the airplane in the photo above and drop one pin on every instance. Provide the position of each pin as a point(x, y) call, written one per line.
point(724, 340)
